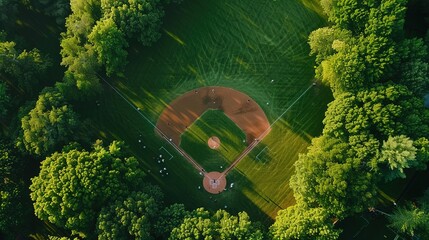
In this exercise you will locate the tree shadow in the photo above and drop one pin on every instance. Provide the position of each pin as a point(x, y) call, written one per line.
point(261, 154)
point(302, 117)
point(242, 188)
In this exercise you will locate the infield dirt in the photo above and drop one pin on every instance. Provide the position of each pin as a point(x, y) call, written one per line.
point(187, 108)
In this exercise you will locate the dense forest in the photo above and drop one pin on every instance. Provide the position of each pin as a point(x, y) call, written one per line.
point(377, 125)
point(59, 181)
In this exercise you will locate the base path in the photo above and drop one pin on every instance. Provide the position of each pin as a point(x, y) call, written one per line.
point(239, 107)
point(187, 108)
point(170, 122)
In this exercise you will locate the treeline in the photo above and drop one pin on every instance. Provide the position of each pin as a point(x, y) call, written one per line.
point(84, 189)
point(377, 125)
point(23, 74)
point(98, 34)
point(375, 129)
point(39, 124)
point(102, 194)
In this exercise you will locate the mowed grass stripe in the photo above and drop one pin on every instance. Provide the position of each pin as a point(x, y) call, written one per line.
point(214, 55)
point(240, 44)
point(289, 137)
point(213, 123)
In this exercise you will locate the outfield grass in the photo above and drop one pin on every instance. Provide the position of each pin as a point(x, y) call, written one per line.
point(257, 47)
point(213, 123)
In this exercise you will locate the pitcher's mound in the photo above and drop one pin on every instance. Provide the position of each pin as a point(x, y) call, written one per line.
point(214, 182)
point(214, 142)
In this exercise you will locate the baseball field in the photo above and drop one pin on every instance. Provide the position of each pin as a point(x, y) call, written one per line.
point(261, 102)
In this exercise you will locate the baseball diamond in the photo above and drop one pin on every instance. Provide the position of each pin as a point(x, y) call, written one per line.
point(239, 107)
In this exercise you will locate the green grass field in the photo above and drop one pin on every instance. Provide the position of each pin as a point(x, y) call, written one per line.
point(213, 123)
point(257, 47)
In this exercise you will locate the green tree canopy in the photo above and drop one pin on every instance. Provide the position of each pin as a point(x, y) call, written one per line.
point(358, 62)
point(299, 222)
point(397, 153)
point(4, 100)
point(380, 111)
point(422, 155)
point(168, 219)
point(96, 32)
point(109, 44)
point(336, 176)
point(378, 79)
point(201, 224)
point(410, 220)
point(352, 14)
point(322, 42)
point(138, 19)
point(394, 110)
point(130, 218)
point(380, 17)
point(50, 124)
point(77, 54)
point(21, 69)
point(368, 53)
point(74, 185)
point(15, 205)
point(413, 66)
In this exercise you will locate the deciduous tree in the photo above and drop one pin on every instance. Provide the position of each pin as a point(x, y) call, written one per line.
point(398, 153)
point(50, 124)
point(380, 112)
point(336, 176)
point(131, 217)
point(74, 185)
point(299, 222)
point(77, 54)
point(22, 69)
point(4, 100)
point(413, 66)
point(168, 219)
point(201, 224)
point(409, 220)
point(321, 41)
point(15, 205)
point(109, 44)
point(138, 19)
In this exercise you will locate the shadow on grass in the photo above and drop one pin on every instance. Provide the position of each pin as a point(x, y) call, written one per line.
point(234, 199)
point(301, 117)
point(213, 123)
point(243, 187)
point(366, 226)
point(261, 154)
point(182, 184)
point(185, 185)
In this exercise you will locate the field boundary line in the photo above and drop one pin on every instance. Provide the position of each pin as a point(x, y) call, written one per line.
point(171, 156)
point(130, 103)
point(197, 166)
point(263, 135)
point(292, 104)
point(257, 156)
